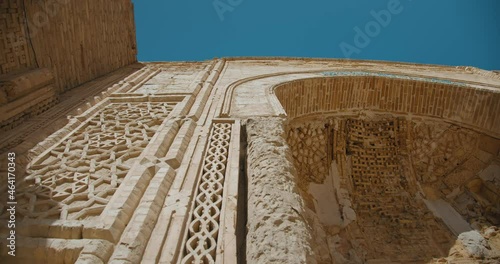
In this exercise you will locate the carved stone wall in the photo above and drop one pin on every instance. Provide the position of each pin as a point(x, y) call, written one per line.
point(201, 242)
point(99, 38)
point(364, 162)
point(15, 52)
point(310, 151)
point(26, 95)
point(383, 193)
point(376, 194)
point(31, 37)
point(76, 41)
point(460, 166)
point(76, 178)
point(380, 180)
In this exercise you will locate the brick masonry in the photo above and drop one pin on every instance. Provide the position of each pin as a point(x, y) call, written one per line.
point(77, 41)
point(470, 106)
point(15, 53)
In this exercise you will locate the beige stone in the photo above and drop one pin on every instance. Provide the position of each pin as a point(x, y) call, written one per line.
point(234, 160)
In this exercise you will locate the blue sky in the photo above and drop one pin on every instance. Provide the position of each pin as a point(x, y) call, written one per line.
point(449, 32)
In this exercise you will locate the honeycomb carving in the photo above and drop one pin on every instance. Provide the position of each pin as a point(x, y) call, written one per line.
point(14, 54)
point(380, 214)
point(383, 194)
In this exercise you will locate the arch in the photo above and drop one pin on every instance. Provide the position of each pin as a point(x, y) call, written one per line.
point(297, 95)
point(459, 103)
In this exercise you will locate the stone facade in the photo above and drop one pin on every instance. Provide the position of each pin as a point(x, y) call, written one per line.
point(50, 47)
point(235, 160)
point(260, 161)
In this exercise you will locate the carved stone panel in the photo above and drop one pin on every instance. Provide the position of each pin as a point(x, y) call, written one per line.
point(76, 178)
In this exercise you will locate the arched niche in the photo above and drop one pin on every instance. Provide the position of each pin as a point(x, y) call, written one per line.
point(396, 152)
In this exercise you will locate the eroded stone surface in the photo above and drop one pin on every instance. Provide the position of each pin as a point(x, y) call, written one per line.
point(277, 229)
point(378, 210)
